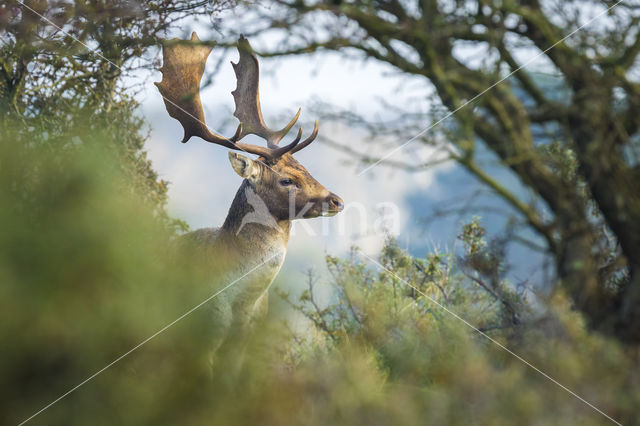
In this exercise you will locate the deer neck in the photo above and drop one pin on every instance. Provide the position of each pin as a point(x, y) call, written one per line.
point(250, 223)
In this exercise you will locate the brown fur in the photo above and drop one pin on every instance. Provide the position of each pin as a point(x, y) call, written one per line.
point(254, 249)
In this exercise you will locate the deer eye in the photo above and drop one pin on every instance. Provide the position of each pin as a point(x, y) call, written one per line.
point(286, 182)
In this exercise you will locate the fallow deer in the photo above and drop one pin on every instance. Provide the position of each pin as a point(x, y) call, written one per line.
point(252, 243)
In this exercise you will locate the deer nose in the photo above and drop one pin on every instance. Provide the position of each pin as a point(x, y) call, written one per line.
point(335, 202)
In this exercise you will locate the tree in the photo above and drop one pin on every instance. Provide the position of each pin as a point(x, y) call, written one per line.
point(575, 145)
point(62, 73)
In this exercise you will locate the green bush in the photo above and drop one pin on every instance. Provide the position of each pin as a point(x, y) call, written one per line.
point(88, 272)
point(83, 267)
point(396, 357)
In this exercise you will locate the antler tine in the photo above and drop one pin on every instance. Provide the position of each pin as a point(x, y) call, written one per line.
point(247, 97)
point(182, 70)
point(282, 133)
point(238, 134)
point(277, 152)
point(307, 141)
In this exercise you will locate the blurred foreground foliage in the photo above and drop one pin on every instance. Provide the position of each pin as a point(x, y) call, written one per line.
point(88, 272)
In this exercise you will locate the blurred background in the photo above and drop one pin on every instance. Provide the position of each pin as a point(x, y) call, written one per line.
point(517, 208)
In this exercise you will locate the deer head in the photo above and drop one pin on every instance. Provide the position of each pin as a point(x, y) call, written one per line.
point(287, 188)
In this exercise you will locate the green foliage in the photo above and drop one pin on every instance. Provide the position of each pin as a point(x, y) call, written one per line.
point(393, 340)
point(81, 255)
point(87, 273)
point(61, 65)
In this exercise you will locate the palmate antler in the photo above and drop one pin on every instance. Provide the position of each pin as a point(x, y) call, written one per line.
point(182, 69)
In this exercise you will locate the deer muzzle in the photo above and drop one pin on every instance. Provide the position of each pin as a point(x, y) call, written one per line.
point(332, 205)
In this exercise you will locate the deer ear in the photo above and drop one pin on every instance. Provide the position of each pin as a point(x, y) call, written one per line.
point(245, 167)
